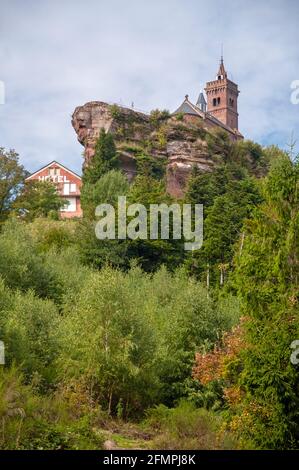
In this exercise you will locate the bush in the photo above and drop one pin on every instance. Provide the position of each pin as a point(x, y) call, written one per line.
point(115, 111)
point(140, 336)
point(28, 328)
point(157, 116)
point(21, 265)
point(187, 427)
point(104, 191)
point(179, 116)
point(34, 422)
point(49, 234)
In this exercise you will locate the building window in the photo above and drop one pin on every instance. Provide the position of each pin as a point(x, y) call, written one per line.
point(73, 187)
point(66, 189)
point(71, 206)
point(214, 102)
point(218, 100)
point(54, 171)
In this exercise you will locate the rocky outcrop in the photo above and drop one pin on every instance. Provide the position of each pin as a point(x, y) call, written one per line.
point(180, 140)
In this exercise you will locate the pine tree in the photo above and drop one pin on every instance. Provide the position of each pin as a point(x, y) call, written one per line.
point(229, 196)
point(104, 159)
point(267, 280)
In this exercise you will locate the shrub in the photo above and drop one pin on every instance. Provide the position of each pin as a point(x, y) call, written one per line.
point(187, 427)
point(106, 190)
point(114, 111)
point(28, 328)
point(34, 422)
point(179, 116)
point(21, 266)
point(140, 336)
point(157, 116)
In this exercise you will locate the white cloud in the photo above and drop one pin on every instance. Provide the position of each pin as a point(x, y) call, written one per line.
point(58, 55)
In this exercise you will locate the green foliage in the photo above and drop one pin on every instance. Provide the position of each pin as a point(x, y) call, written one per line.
point(192, 321)
point(203, 188)
point(38, 199)
point(140, 335)
point(12, 176)
point(162, 138)
point(31, 260)
point(114, 355)
point(34, 422)
point(131, 147)
point(152, 167)
point(94, 252)
point(186, 427)
point(229, 197)
point(151, 254)
point(225, 218)
point(98, 253)
point(179, 116)
point(27, 327)
point(115, 111)
point(246, 153)
point(157, 116)
point(255, 158)
point(104, 191)
point(21, 266)
point(73, 435)
point(49, 233)
point(123, 338)
point(104, 159)
point(266, 279)
point(102, 182)
point(271, 241)
point(219, 144)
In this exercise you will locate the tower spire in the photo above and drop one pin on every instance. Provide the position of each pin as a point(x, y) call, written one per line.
point(221, 71)
point(222, 97)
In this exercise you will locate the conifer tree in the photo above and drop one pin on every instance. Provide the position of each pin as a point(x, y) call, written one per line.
point(267, 280)
point(104, 159)
point(229, 196)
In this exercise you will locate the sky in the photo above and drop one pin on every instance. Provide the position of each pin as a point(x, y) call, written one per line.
point(57, 55)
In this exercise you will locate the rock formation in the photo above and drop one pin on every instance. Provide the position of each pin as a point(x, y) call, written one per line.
point(178, 139)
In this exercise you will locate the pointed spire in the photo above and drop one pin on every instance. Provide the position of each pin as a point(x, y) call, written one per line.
point(221, 71)
point(201, 102)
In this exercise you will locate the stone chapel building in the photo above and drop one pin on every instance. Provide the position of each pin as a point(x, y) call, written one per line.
point(221, 107)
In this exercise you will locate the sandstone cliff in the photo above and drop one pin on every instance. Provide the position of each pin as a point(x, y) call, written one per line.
point(179, 139)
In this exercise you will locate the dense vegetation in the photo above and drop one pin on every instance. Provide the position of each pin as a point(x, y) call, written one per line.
point(192, 350)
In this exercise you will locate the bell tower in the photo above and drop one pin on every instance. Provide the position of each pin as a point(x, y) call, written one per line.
point(222, 98)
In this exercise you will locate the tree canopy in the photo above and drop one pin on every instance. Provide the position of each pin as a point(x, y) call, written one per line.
point(12, 176)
